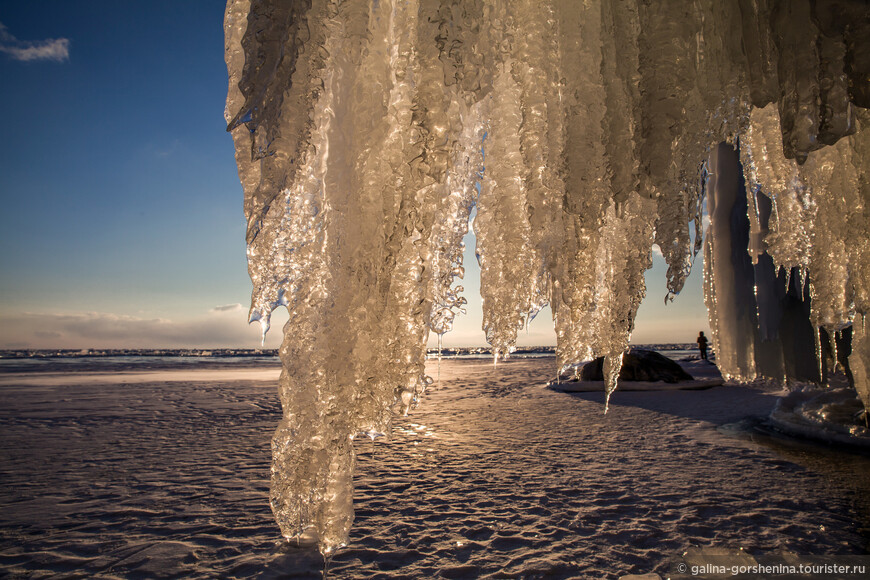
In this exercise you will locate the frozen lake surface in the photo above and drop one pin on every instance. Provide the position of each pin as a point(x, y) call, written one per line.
point(491, 476)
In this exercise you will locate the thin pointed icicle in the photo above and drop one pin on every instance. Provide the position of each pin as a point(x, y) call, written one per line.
point(440, 338)
point(627, 243)
point(622, 258)
point(612, 366)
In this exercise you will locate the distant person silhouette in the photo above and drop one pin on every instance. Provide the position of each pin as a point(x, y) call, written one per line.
point(702, 346)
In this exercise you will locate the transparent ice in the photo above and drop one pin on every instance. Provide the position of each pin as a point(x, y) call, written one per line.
point(584, 132)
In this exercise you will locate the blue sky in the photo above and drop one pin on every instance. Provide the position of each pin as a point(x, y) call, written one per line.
point(122, 219)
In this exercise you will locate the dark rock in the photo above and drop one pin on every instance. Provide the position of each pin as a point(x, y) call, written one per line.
point(639, 365)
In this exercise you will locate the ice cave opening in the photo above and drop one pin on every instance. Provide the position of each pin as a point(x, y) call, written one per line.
point(365, 130)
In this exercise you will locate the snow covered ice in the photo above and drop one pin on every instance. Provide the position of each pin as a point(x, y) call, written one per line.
point(584, 133)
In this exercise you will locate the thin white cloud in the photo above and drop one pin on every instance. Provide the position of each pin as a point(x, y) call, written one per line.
point(228, 308)
point(165, 149)
point(223, 326)
point(56, 49)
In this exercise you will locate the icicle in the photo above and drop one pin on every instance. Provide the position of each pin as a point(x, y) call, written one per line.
point(833, 184)
point(507, 264)
point(798, 73)
point(619, 68)
point(359, 128)
point(859, 360)
point(767, 169)
point(856, 222)
point(760, 51)
point(612, 366)
point(533, 70)
point(672, 113)
point(438, 379)
point(855, 21)
point(587, 195)
point(837, 115)
point(727, 279)
point(820, 357)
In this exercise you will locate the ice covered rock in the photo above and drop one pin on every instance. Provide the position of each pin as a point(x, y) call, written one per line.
point(639, 365)
point(834, 416)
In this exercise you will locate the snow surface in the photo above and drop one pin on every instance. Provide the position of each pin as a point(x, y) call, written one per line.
point(494, 476)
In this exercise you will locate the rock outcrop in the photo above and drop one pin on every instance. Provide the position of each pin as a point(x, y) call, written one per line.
point(639, 365)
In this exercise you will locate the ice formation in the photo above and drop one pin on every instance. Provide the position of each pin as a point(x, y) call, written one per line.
point(366, 130)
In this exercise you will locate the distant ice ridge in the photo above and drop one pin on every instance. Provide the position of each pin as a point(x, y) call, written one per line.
point(366, 130)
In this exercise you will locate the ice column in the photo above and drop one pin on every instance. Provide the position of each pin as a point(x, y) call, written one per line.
point(733, 319)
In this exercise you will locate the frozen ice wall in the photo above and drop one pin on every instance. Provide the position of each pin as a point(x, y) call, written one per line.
point(366, 130)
